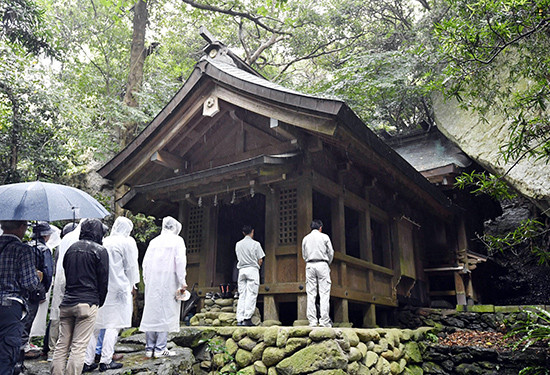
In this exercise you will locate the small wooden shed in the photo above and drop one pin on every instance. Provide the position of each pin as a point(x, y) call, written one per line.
point(232, 148)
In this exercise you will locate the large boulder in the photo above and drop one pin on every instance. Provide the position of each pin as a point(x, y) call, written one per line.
point(326, 355)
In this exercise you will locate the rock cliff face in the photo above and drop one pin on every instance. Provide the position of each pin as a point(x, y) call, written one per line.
point(482, 140)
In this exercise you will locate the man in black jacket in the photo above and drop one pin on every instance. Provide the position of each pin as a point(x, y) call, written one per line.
point(86, 265)
point(43, 261)
point(18, 275)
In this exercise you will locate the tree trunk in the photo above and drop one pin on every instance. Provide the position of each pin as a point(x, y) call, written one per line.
point(12, 175)
point(137, 60)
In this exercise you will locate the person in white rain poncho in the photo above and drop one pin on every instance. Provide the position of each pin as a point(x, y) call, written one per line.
point(164, 274)
point(116, 312)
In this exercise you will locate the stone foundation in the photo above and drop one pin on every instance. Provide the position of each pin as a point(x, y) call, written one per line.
point(220, 312)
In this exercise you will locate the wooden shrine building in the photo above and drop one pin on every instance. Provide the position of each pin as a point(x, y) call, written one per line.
point(232, 148)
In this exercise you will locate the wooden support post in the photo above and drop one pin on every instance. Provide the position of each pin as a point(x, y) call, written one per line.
point(341, 310)
point(305, 213)
point(271, 235)
point(302, 306)
point(460, 289)
point(207, 273)
point(369, 319)
point(270, 308)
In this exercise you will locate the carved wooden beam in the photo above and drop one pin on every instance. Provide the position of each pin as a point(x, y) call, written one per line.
point(168, 160)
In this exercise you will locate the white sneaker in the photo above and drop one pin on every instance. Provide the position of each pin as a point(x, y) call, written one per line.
point(165, 353)
point(149, 353)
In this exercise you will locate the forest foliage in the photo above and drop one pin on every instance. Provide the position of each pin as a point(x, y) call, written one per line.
point(80, 78)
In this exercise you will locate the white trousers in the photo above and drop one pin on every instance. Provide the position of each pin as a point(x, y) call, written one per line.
point(107, 349)
point(318, 276)
point(249, 283)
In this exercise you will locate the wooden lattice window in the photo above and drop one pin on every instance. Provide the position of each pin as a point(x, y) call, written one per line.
point(194, 236)
point(288, 217)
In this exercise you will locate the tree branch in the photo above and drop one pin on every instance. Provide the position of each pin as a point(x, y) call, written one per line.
point(231, 12)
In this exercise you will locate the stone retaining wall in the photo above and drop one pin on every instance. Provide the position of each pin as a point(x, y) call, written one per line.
point(477, 317)
point(301, 350)
point(336, 351)
point(220, 312)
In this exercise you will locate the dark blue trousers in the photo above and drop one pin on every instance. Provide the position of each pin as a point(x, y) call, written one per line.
point(11, 329)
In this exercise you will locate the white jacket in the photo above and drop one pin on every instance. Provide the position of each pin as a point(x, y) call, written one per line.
point(116, 312)
point(164, 273)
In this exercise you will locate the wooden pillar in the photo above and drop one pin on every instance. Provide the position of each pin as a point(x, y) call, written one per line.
point(341, 312)
point(119, 193)
point(270, 308)
point(271, 235)
point(460, 289)
point(207, 272)
point(183, 218)
point(369, 319)
point(368, 243)
point(271, 244)
point(305, 213)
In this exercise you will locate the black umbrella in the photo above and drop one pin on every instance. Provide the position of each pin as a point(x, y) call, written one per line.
point(47, 202)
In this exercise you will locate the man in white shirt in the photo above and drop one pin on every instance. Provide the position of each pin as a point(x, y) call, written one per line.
point(318, 253)
point(250, 258)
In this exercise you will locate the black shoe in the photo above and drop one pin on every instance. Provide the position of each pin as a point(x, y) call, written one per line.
point(89, 368)
point(248, 323)
point(97, 358)
point(111, 366)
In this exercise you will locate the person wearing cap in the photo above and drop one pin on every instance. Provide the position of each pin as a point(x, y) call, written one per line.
point(164, 276)
point(318, 253)
point(18, 276)
point(250, 256)
point(86, 267)
point(43, 262)
point(116, 312)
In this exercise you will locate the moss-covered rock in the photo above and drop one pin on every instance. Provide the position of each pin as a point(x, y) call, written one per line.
point(271, 371)
point(282, 337)
point(319, 334)
point(366, 335)
point(216, 323)
point(225, 317)
point(247, 343)
point(383, 366)
point(432, 368)
point(249, 370)
point(258, 351)
point(220, 359)
point(271, 323)
point(231, 346)
point(351, 336)
point(298, 323)
point(238, 334)
point(412, 352)
point(224, 302)
point(381, 347)
point(362, 347)
point(413, 370)
point(243, 358)
point(392, 354)
point(370, 359)
point(270, 335)
point(193, 337)
point(299, 331)
point(353, 368)
point(260, 368)
point(354, 354)
point(272, 355)
point(394, 368)
point(329, 372)
point(319, 356)
point(256, 333)
point(295, 343)
point(230, 368)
